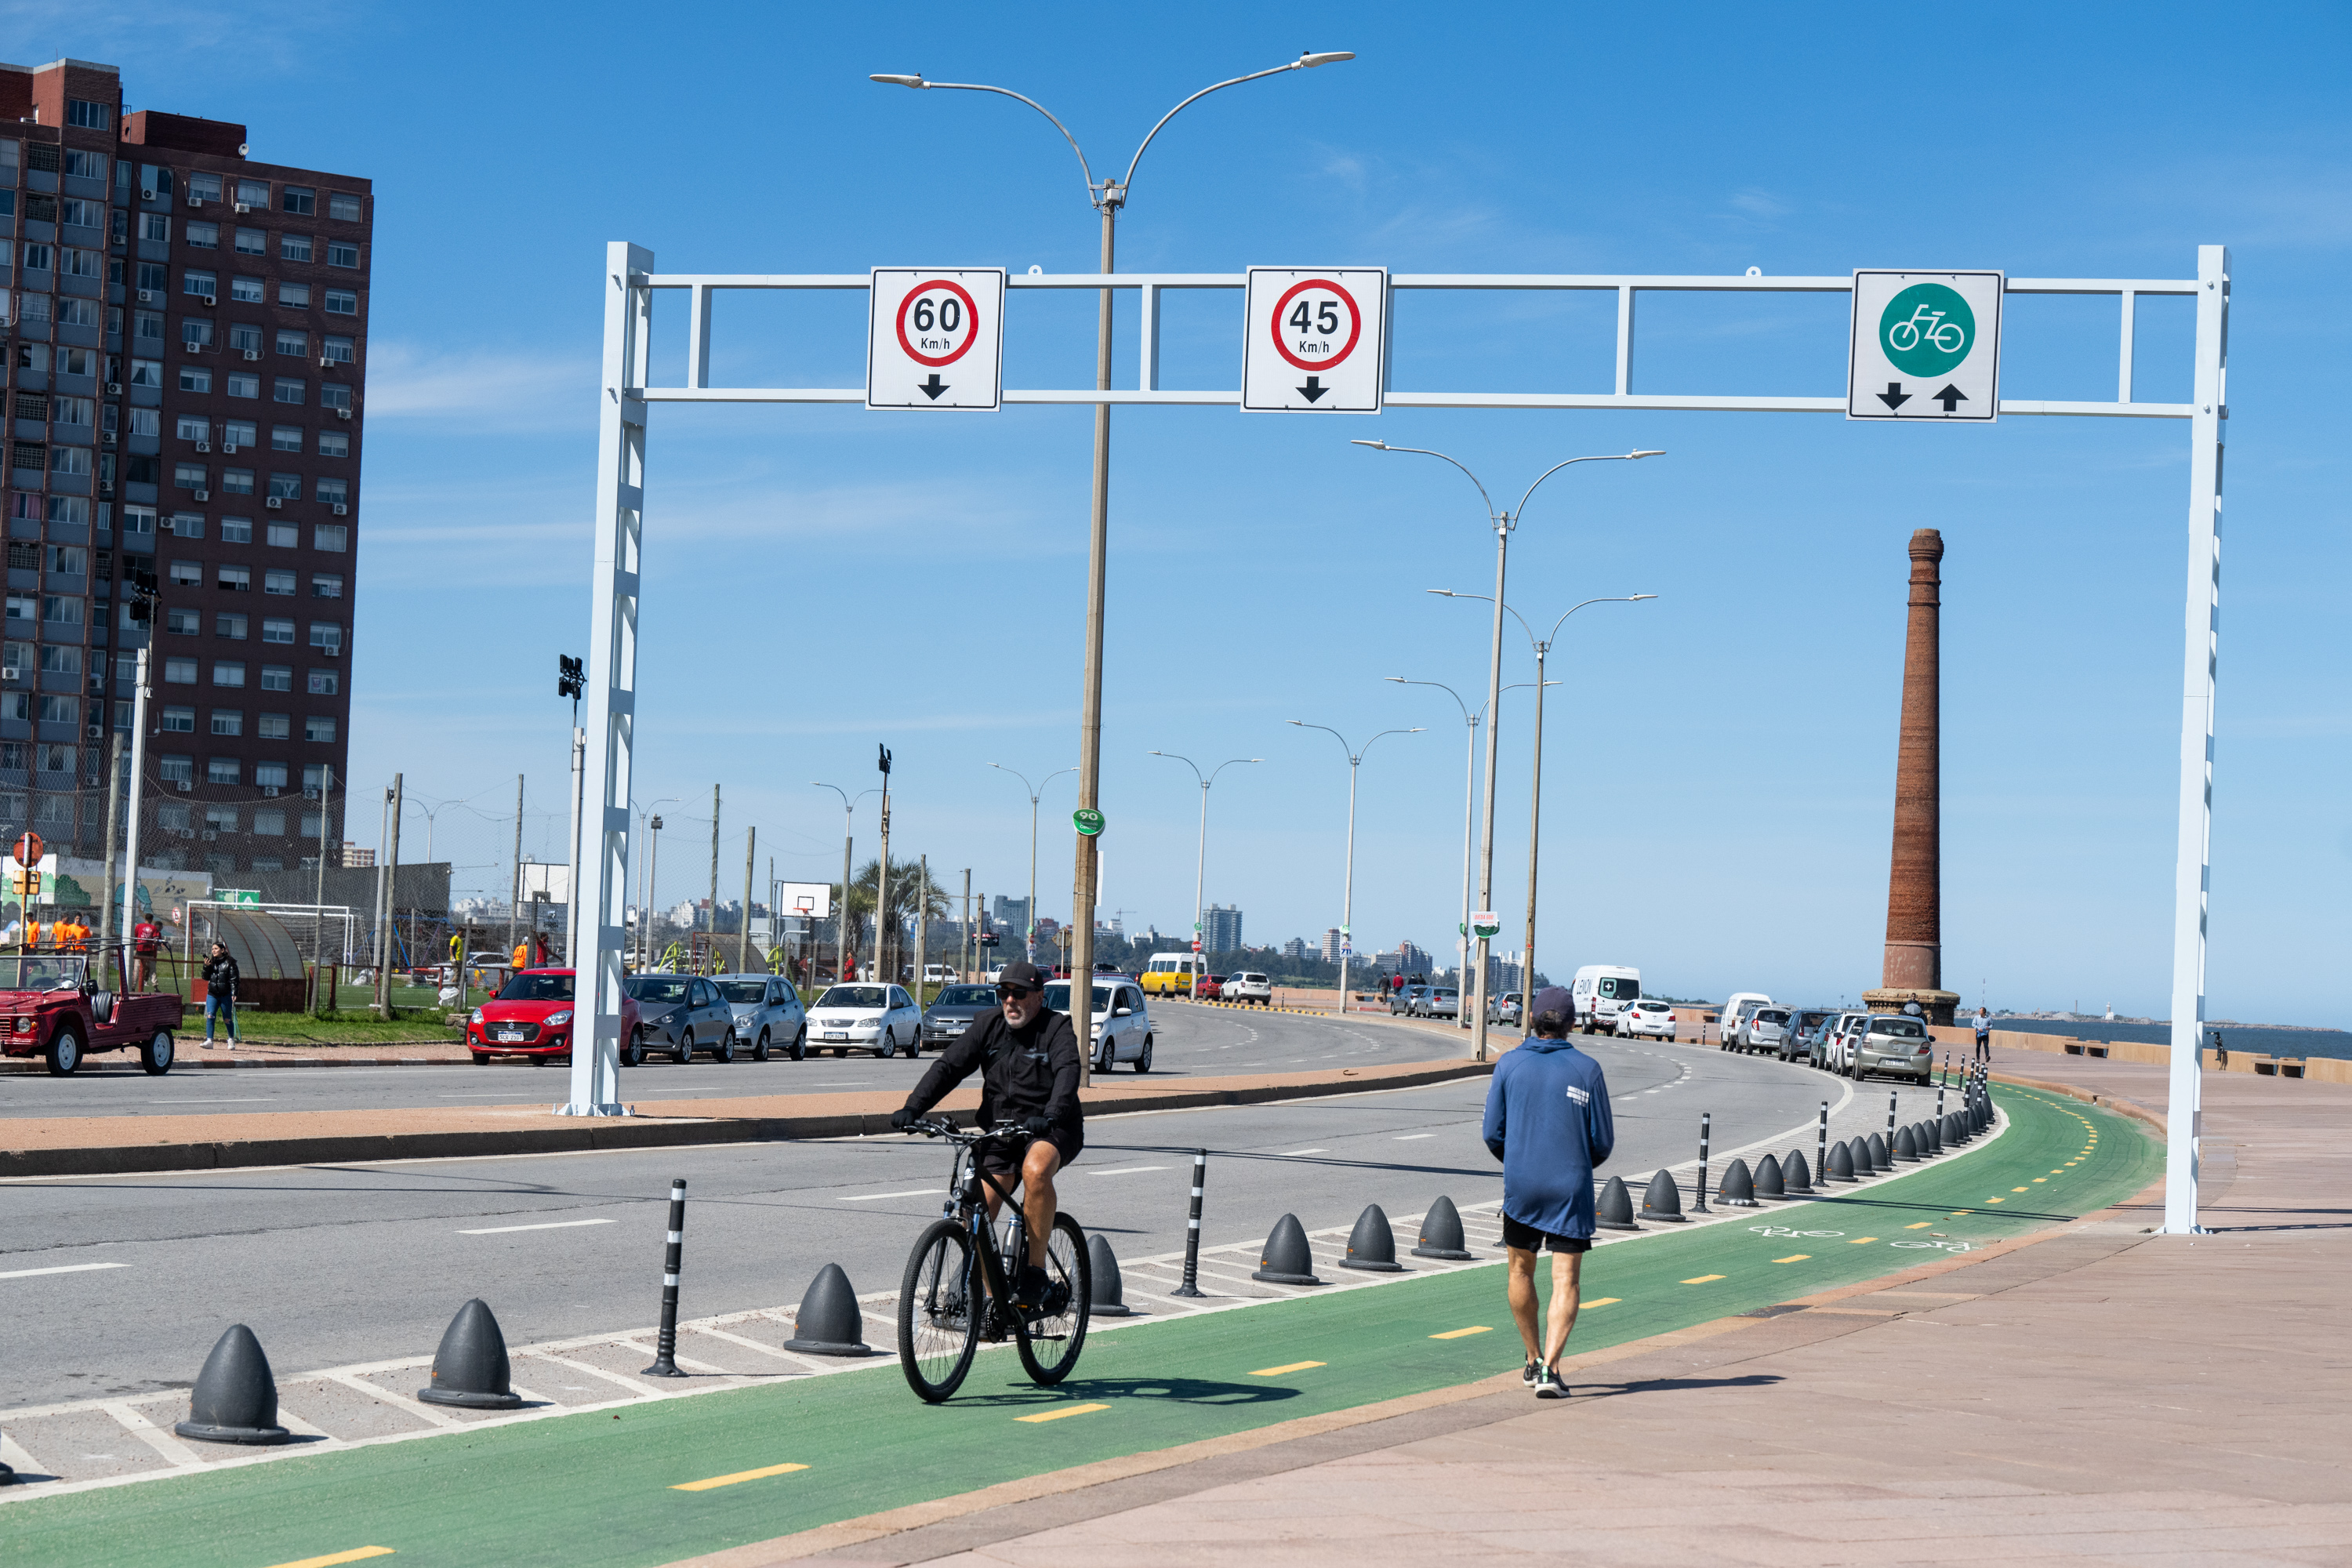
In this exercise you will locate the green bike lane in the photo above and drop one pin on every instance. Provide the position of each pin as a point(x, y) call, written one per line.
point(620, 1488)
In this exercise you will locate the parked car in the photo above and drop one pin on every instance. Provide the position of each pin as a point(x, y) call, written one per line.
point(532, 1016)
point(1893, 1044)
point(1437, 1001)
point(1600, 990)
point(1766, 1029)
point(679, 1014)
point(1804, 1023)
point(64, 1005)
point(1504, 1009)
point(1249, 987)
point(1646, 1015)
point(1209, 988)
point(768, 1013)
point(940, 974)
point(952, 1011)
point(867, 1016)
point(1403, 1001)
point(1121, 1026)
point(1736, 1012)
point(1837, 1041)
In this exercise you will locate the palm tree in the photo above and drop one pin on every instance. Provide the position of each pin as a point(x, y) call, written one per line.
point(909, 890)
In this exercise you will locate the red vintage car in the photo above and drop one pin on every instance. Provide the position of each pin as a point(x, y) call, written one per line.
point(532, 1016)
point(65, 1005)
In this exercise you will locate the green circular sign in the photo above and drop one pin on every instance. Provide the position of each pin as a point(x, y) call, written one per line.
point(1927, 329)
point(1088, 820)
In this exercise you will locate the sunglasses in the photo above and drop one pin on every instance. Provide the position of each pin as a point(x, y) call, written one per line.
point(1014, 993)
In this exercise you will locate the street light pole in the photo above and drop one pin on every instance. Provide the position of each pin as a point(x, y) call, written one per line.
point(841, 937)
point(1107, 196)
point(1029, 920)
point(1503, 522)
point(1201, 863)
point(1469, 816)
point(1347, 891)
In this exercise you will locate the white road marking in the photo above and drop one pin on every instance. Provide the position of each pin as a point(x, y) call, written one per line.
point(1129, 1171)
point(254, 1099)
point(552, 1224)
point(909, 1193)
point(62, 1268)
point(1409, 1137)
point(1296, 1152)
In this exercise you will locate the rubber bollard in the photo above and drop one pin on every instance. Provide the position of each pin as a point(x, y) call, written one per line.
point(1440, 1233)
point(1882, 1159)
point(1768, 1178)
point(1739, 1186)
point(1822, 1143)
point(665, 1338)
point(1371, 1245)
point(829, 1322)
point(1698, 1188)
point(1192, 1282)
point(1841, 1165)
point(236, 1398)
point(1108, 1299)
point(470, 1369)
point(1614, 1209)
point(1286, 1259)
point(1662, 1204)
point(1794, 1174)
point(1905, 1147)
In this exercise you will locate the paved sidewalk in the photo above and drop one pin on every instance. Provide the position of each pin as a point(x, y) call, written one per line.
point(2100, 1396)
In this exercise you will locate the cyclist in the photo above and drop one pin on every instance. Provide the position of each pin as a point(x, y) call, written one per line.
point(1030, 1066)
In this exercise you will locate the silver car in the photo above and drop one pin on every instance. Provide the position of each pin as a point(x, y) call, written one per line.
point(1767, 1030)
point(1438, 1002)
point(680, 1013)
point(768, 1013)
point(1895, 1044)
point(1122, 1024)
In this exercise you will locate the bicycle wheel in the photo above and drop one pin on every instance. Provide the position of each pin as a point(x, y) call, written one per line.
point(937, 1330)
point(1050, 1341)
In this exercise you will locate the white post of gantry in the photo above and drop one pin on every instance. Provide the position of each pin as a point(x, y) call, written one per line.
point(600, 874)
point(2192, 877)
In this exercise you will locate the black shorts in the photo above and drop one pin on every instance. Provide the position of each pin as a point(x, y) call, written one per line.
point(1527, 1238)
point(999, 1159)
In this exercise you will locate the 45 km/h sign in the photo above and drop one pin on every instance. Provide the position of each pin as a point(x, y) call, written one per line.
point(1927, 345)
point(1317, 340)
point(935, 338)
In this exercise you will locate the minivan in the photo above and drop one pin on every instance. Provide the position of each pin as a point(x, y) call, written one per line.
point(1598, 989)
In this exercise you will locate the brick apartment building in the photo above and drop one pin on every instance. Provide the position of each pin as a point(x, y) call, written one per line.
point(187, 342)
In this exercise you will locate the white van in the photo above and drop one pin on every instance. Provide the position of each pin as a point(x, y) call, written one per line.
point(939, 974)
point(1737, 1010)
point(1599, 990)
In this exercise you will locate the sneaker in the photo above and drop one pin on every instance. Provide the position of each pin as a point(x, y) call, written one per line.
point(1534, 1373)
point(1030, 1293)
point(1551, 1385)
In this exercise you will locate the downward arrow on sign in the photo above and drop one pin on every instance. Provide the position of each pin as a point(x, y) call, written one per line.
point(1893, 396)
point(931, 388)
point(1313, 389)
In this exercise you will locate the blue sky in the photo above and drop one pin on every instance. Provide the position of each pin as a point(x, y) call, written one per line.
point(1720, 762)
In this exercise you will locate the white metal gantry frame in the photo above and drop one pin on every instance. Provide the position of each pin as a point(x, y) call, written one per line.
point(630, 280)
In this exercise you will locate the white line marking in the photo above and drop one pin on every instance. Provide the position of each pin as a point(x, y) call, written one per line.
point(1409, 1137)
point(552, 1225)
point(1130, 1170)
point(63, 1269)
point(254, 1099)
point(909, 1193)
point(1296, 1152)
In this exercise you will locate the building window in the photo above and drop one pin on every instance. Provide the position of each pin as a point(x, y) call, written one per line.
point(195, 380)
point(284, 536)
point(188, 573)
point(42, 257)
point(187, 525)
point(299, 199)
point(286, 437)
point(154, 277)
point(156, 226)
point(237, 531)
point(180, 720)
point(28, 455)
point(228, 722)
point(336, 349)
point(334, 443)
point(334, 536)
point(279, 631)
point(84, 263)
point(296, 294)
point(252, 242)
point(182, 623)
point(146, 422)
point(333, 396)
point(244, 340)
point(228, 624)
point(276, 727)
point(278, 677)
point(24, 608)
point(194, 430)
point(221, 818)
point(294, 248)
point(332, 491)
point(327, 586)
point(177, 770)
point(205, 187)
point(147, 326)
point(61, 609)
point(70, 460)
point(150, 373)
point(59, 659)
point(342, 302)
point(293, 342)
point(69, 559)
point(286, 487)
point(202, 236)
point(253, 194)
point(222, 770)
point(270, 775)
point(281, 583)
point(195, 334)
point(249, 290)
point(289, 389)
point(342, 253)
point(60, 759)
point(203, 284)
point(90, 116)
point(236, 579)
point(139, 520)
point(325, 682)
point(237, 481)
point(238, 433)
point(228, 672)
point(73, 411)
point(316, 729)
point(327, 636)
point(58, 709)
point(90, 215)
point(343, 209)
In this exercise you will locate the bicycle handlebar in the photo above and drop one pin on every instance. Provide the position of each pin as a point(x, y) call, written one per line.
point(939, 1127)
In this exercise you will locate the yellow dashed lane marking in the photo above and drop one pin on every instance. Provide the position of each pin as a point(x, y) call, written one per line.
point(739, 1476)
point(2017, 1189)
point(2038, 1179)
point(1599, 1302)
point(1703, 1279)
point(1997, 1200)
point(1287, 1366)
point(1859, 1240)
point(1793, 1258)
point(1462, 1333)
point(1058, 1415)
point(356, 1555)
point(1921, 1226)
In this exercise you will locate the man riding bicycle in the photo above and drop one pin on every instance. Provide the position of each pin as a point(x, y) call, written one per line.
point(1030, 1066)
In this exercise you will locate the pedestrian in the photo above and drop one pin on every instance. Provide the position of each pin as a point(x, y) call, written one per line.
point(1984, 1034)
point(146, 937)
point(220, 993)
point(1547, 1121)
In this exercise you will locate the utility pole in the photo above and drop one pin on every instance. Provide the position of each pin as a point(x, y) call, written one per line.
point(922, 927)
point(514, 889)
point(882, 878)
point(714, 873)
point(963, 971)
point(113, 825)
point(388, 899)
point(326, 793)
point(743, 926)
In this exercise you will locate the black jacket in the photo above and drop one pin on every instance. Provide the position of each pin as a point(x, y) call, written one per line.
point(220, 976)
point(1031, 1071)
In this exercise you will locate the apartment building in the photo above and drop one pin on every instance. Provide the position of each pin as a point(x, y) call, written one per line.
point(187, 348)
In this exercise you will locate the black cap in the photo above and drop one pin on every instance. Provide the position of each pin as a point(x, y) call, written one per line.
point(1027, 974)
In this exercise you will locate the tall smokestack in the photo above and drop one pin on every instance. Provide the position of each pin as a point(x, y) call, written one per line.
point(1913, 971)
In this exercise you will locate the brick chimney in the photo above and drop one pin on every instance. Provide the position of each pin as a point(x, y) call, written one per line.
point(1914, 968)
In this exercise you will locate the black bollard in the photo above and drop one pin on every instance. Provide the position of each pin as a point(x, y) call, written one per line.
point(1841, 1164)
point(1822, 1147)
point(1739, 1186)
point(665, 1341)
point(1882, 1159)
point(1614, 1210)
point(829, 1322)
point(1662, 1204)
point(1192, 1285)
point(1286, 1259)
point(1905, 1147)
point(1768, 1182)
point(1371, 1245)
point(1698, 1192)
point(1890, 1117)
point(1440, 1233)
point(1794, 1175)
point(236, 1398)
point(1109, 1292)
point(470, 1369)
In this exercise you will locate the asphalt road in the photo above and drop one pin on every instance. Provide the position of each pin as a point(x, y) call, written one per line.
point(336, 1264)
point(1188, 1041)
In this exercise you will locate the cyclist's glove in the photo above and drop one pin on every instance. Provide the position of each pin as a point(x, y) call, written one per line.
point(1035, 1126)
point(902, 1119)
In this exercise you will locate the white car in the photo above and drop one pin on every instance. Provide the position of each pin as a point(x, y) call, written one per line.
point(1250, 987)
point(868, 1017)
point(1122, 1022)
point(1644, 1016)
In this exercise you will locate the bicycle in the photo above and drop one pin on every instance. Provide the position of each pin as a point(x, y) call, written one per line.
point(1947, 336)
point(958, 1261)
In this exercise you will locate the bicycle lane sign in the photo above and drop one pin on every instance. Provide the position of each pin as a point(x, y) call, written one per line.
point(1925, 345)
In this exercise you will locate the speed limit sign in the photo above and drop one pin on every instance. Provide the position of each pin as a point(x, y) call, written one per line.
point(935, 338)
point(1317, 340)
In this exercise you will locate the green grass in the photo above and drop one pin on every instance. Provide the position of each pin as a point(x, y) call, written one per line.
point(592, 1488)
point(337, 1028)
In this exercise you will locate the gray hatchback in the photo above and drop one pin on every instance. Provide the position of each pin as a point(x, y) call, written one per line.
point(952, 1011)
point(767, 1014)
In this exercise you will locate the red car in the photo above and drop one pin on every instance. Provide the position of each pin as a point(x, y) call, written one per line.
point(66, 1005)
point(1209, 988)
point(532, 1017)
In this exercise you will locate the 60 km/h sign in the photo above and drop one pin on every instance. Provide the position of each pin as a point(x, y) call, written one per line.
point(1925, 345)
point(1317, 340)
point(935, 338)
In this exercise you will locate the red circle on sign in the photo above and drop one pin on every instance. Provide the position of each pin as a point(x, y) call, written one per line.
point(1354, 328)
point(972, 314)
point(29, 849)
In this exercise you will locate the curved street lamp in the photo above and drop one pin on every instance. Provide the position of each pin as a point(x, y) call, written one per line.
point(841, 924)
point(1347, 892)
point(1201, 866)
point(1029, 933)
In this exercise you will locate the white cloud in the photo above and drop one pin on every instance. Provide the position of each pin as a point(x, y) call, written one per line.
point(482, 390)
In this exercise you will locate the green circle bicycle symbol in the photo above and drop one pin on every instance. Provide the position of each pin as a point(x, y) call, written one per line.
point(1927, 329)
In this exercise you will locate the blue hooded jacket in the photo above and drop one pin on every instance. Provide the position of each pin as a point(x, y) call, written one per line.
point(1547, 1121)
